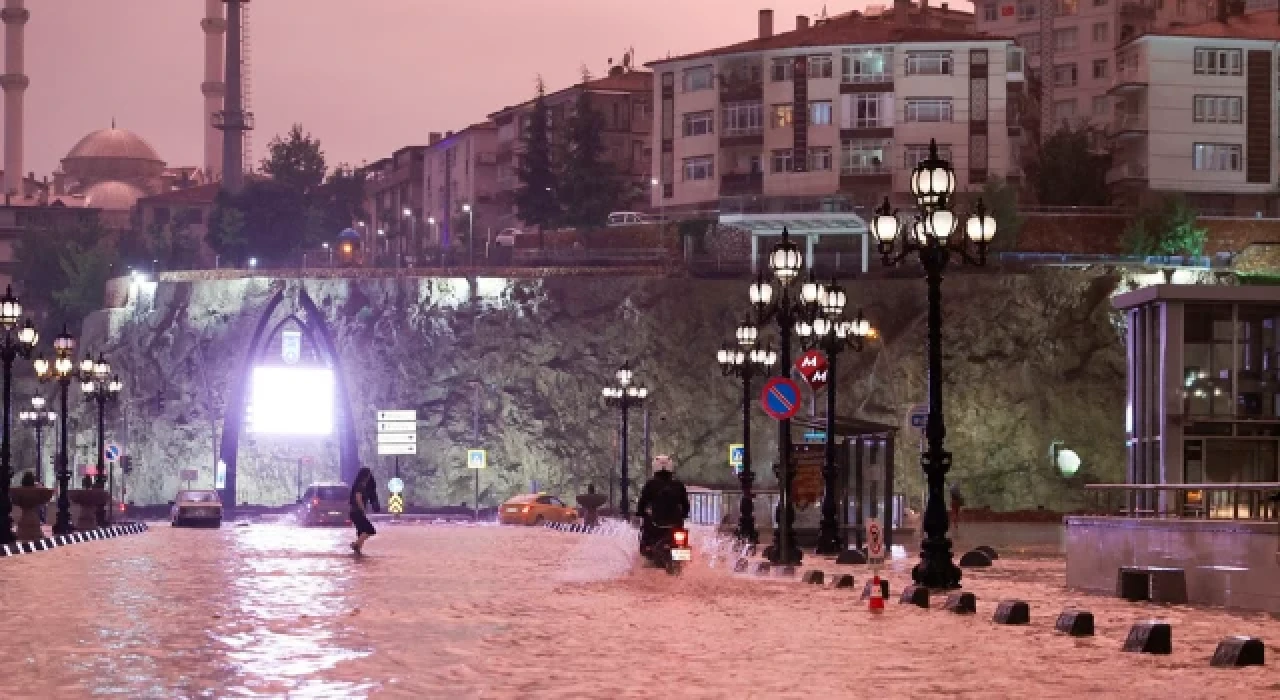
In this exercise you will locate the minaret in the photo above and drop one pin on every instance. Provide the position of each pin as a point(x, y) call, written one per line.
point(14, 82)
point(233, 120)
point(213, 89)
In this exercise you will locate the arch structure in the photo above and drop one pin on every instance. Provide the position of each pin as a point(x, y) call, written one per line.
point(306, 316)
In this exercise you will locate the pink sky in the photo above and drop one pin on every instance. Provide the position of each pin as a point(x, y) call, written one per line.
point(365, 76)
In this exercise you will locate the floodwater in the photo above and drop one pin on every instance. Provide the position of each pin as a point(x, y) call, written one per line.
point(464, 611)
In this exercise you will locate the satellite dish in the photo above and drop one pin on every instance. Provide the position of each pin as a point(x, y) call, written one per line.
point(1068, 462)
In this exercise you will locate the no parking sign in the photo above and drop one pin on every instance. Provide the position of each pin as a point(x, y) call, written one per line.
point(780, 398)
point(112, 452)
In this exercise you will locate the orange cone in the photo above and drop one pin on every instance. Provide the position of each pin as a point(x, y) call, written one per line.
point(876, 603)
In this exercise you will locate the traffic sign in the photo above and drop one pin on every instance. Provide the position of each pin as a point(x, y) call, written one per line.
point(400, 438)
point(384, 427)
point(395, 485)
point(398, 449)
point(815, 436)
point(112, 452)
point(875, 543)
point(397, 416)
point(919, 415)
point(395, 504)
point(477, 459)
point(780, 398)
point(737, 452)
point(813, 366)
point(190, 474)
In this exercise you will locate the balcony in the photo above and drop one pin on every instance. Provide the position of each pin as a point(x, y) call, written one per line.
point(1134, 10)
point(1128, 125)
point(1128, 80)
point(737, 184)
point(735, 88)
point(1127, 171)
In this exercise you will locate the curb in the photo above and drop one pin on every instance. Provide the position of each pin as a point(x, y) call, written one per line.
point(47, 543)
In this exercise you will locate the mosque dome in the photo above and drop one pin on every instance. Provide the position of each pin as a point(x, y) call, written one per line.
point(113, 154)
point(114, 143)
point(112, 195)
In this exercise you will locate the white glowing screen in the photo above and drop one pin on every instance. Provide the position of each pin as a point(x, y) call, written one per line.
point(291, 401)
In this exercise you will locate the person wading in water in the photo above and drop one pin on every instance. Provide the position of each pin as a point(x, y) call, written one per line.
point(364, 497)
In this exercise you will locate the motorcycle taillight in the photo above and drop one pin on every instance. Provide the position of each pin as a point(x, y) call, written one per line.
point(680, 538)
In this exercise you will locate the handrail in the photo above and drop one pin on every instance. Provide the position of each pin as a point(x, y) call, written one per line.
point(1257, 501)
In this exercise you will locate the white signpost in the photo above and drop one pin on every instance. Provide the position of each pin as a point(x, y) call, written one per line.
point(875, 544)
point(398, 433)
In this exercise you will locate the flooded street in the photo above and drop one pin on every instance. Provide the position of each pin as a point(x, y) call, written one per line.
point(487, 612)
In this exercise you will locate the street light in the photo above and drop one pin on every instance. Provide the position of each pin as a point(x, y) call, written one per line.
point(39, 419)
point(787, 307)
point(100, 387)
point(19, 339)
point(832, 333)
point(624, 395)
point(931, 235)
point(413, 233)
point(63, 371)
point(471, 235)
point(746, 361)
point(328, 249)
point(253, 263)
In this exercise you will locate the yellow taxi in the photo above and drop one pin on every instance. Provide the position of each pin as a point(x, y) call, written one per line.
point(535, 509)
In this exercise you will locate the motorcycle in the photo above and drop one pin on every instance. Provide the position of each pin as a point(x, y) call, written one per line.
point(670, 549)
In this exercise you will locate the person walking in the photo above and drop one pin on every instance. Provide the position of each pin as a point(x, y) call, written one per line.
point(364, 497)
point(957, 502)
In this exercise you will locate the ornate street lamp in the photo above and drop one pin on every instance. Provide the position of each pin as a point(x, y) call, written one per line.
point(63, 371)
point(624, 395)
point(931, 235)
point(17, 341)
point(832, 333)
point(39, 419)
point(746, 361)
point(98, 386)
point(787, 307)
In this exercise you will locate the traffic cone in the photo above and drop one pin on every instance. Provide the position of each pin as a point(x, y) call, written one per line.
point(876, 602)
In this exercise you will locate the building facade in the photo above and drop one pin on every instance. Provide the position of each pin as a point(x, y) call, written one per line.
point(1195, 113)
point(846, 107)
point(460, 172)
point(393, 202)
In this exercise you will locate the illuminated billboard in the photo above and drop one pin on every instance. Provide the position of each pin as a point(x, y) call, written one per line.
point(291, 401)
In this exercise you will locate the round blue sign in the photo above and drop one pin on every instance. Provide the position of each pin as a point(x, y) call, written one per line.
point(112, 453)
point(780, 398)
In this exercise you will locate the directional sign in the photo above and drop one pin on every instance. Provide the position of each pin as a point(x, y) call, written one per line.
point(780, 398)
point(190, 474)
point(919, 415)
point(397, 416)
point(398, 449)
point(397, 438)
point(813, 366)
point(112, 452)
point(384, 427)
point(477, 459)
point(737, 452)
point(875, 543)
point(815, 436)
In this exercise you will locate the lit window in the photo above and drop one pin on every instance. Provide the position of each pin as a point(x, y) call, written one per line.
point(819, 113)
point(866, 65)
point(1216, 156)
point(1067, 8)
point(780, 116)
point(699, 168)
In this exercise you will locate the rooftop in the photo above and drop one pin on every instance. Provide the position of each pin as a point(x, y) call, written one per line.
point(191, 196)
point(620, 80)
point(1256, 26)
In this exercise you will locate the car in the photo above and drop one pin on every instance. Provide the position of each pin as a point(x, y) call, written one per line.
point(535, 509)
point(627, 218)
point(507, 237)
point(326, 504)
point(196, 507)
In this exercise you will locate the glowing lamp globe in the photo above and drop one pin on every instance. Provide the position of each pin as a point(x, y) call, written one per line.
point(981, 228)
point(1068, 462)
point(785, 259)
point(885, 225)
point(747, 334)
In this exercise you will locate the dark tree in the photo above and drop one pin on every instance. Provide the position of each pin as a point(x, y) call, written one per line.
point(588, 190)
point(295, 161)
point(1065, 170)
point(61, 272)
point(536, 198)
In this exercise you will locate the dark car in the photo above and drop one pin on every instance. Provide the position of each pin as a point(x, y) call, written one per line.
point(326, 504)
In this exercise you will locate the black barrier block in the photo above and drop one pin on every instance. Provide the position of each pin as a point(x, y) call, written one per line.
point(843, 581)
point(884, 589)
point(991, 553)
point(974, 559)
point(785, 570)
point(961, 603)
point(1013, 612)
point(741, 565)
point(1234, 652)
point(815, 577)
point(1077, 623)
point(1150, 637)
point(851, 556)
point(762, 568)
point(915, 595)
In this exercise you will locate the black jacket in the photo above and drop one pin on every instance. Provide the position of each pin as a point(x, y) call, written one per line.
point(666, 497)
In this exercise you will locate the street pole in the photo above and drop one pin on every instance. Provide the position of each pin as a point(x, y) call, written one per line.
point(746, 477)
point(786, 514)
point(829, 540)
point(935, 569)
point(62, 525)
point(645, 464)
point(475, 437)
point(40, 448)
point(6, 468)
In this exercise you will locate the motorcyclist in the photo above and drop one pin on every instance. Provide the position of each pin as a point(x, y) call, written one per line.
point(664, 503)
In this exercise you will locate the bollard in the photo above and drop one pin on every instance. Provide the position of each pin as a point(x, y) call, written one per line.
point(1234, 652)
point(876, 602)
point(851, 556)
point(762, 568)
point(1013, 612)
point(875, 582)
point(1077, 623)
point(842, 581)
point(961, 604)
point(814, 577)
point(1150, 637)
point(786, 571)
point(915, 595)
point(975, 559)
point(991, 553)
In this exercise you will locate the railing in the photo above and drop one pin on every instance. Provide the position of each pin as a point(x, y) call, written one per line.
point(741, 182)
point(1072, 259)
point(759, 204)
point(601, 257)
point(1240, 501)
point(1129, 122)
point(1129, 76)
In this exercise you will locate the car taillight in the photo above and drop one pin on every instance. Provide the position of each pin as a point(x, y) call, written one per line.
point(121, 507)
point(681, 538)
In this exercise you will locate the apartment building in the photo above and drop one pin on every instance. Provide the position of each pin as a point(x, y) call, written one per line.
point(846, 106)
point(391, 187)
point(461, 172)
point(1080, 39)
point(911, 14)
point(1196, 114)
point(624, 98)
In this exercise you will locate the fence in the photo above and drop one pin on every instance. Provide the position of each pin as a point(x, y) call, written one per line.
point(1241, 501)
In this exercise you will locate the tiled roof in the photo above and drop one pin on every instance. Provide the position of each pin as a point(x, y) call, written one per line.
point(1260, 25)
point(838, 31)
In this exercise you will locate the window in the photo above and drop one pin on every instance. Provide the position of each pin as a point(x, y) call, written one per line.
point(913, 153)
point(699, 123)
point(699, 168)
point(782, 160)
point(819, 159)
point(866, 65)
point(990, 12)
point(1217, 62)
point(694, 79)
point(1028, 10)
point(864, 156)
point(1216, 156)
point(1211, 109)
point(1100, 33)
point(1064, 39)
point(1182, 7)
point(928, 63)
point(1099, 69)
point(641, 110)
point(780, 116)
point(1064, 75)
point(742, 118)
point(1100, 106)
point(1064, 110)
point(928, 109)
point(1030, 42)
point(781, 69)
point(819, 113)
point(866, 110)
point(819, 66)
point(1067, 8)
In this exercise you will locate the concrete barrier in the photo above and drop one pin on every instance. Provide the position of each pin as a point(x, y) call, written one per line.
point(915, 595)
point(47, 543)
point(991, 553)
point(842, 581)
point(1013, 612)
point(975, 559)
point(1234, 652)
point(1150, 637)
point(814, 577)
point(1077, 623)
point(961, 604)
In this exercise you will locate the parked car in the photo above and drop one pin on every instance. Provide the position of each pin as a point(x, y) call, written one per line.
point(627, 218)
point(325, 504)
point(507, 237)
point(196, 507)
point(535, 509)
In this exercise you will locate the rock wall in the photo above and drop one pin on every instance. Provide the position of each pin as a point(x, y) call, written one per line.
point(1028, 359)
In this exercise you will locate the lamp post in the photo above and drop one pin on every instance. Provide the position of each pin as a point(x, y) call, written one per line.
point(62, 370)
point(98, 386)
point(328, 249)
point(413, 233)
point(16, 342)
point(930, 234)
point(39, 418)
point(788, 307)
point(624, 395)
point(832, 333)
point(746, 362)
point(471, 235)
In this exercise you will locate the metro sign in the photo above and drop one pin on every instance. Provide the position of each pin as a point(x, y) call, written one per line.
point(813, 367)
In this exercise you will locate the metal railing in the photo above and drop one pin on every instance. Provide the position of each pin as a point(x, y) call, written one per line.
point(605, 257)
point(1239, 501)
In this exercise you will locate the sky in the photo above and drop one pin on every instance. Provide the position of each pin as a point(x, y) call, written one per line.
point(364, 76)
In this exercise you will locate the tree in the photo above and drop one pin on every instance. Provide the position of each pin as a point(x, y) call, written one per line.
point(588, 190)
point(226, 235)
point(295, 161)
point(1001, 201)
point(1064, 170)
point(536, 198)
point(61, 271)
point(1169, 227)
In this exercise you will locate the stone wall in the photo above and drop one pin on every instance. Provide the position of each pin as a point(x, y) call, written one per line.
point(1028, 359)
